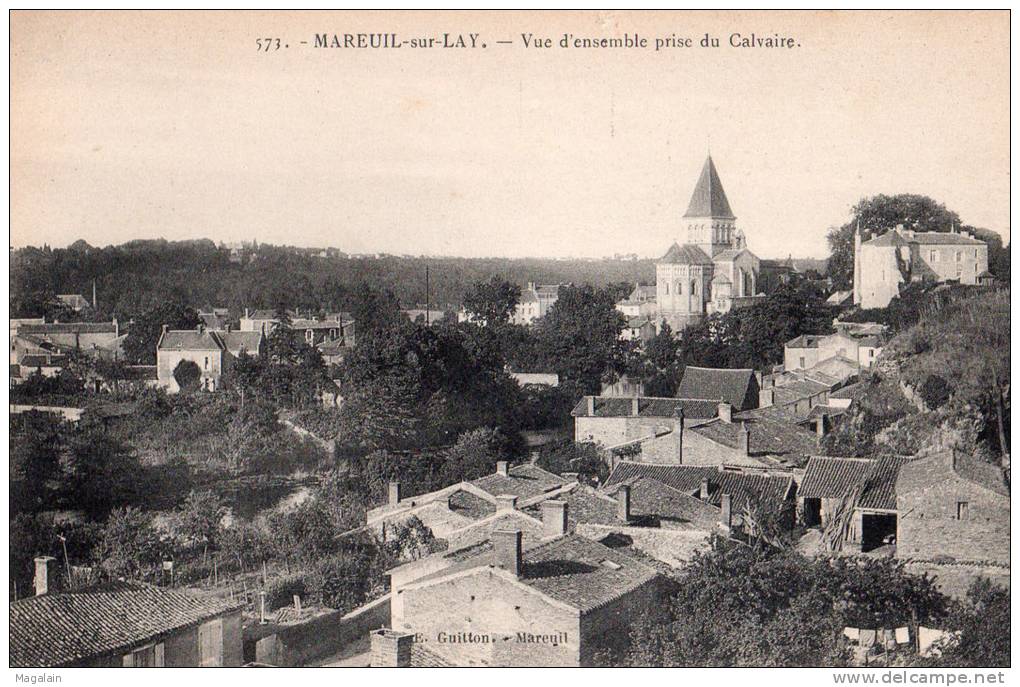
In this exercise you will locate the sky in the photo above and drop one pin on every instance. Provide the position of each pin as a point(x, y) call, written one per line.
point(148, 125)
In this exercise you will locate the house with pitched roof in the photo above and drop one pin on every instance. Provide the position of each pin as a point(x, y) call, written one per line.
point(552, 602)
point(860, 492)
point(535, 301)
point(953, 505)
point(738, 387)
point(884, 264)
point(640, 302)
point(100, 339)
point(214, 352)
point(121, 624)
point(647, 425)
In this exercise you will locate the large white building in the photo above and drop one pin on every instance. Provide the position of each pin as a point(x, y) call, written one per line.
point(885, 263)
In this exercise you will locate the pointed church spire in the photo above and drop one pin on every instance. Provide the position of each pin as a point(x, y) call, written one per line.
point(709, 199)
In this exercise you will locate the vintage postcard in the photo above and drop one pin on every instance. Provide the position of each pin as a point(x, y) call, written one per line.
point(510, 339)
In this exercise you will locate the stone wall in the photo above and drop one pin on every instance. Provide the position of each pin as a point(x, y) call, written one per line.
point(324, 635)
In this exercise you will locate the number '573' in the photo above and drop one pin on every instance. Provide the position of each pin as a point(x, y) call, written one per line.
point(267, 44)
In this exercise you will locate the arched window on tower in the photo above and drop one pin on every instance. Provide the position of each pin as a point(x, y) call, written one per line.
point(694, 288)
point(679, 288)
point(667, 288)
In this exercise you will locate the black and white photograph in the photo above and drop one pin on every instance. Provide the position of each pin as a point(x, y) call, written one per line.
point(515, 339)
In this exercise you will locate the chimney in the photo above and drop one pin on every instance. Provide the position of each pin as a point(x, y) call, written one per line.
point(503, 468)
point(745, 438)
point(703, 492)
point(246, 313)
point(45, 575)
point(200, 328)
point(391, 649)
point(394, 493)
point(590, 400)
point(226, 327)
point(726, 516)
point(678, 433)
point(635, 406)
point(952, 466)
point(509, 551)
point(164, 331)
point(554, 518)
point(116, 327)
point(623, 503)
point(820, 426)
point(506, 502)
point(725, 412)
point(766, 397)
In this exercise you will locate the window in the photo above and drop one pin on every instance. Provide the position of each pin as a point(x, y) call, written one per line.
point(152, 656)
point(934, 256)
point(961, 510)
point(802, 362)
point(309, 335)
point(959, 255)
point(207, 362)
point(667, 289)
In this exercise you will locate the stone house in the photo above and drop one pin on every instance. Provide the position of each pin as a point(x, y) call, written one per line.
point(94, 338)
point(638, 328)
point(535, 301)
point(886, 263)
point(867, 485)
point(557, 602)
point(121, 624)
point(808, 350)
point(651, 426)
point(214, 352)
point(953, 505)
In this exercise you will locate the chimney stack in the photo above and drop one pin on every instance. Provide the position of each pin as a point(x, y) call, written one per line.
point(623, 503)
point(509, 551)
point(766, 397)
point(820, 426)
point(506, 502)
point(394, 493)
point(45, 575)
point(726, 516)
point(164, 330)
point(391, 649)
point(590, 400)
point(725, 412)
point(503, 468)
point(554, 518)
point(678, 432)
point(635, 406)
point(703, 492)
point(745, 438)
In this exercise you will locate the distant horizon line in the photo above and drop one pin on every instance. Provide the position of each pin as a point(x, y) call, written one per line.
point(222, 244)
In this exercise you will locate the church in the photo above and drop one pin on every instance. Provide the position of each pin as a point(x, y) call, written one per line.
point(713, 271)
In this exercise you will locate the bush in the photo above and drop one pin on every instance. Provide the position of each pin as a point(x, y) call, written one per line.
point(280, 591)
point(935, 392)
point(342, 582)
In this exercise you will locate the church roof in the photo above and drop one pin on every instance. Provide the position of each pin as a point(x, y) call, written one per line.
point(687, 254)
point(709, 199)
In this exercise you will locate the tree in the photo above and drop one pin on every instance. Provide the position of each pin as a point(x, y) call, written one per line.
point(983, 622)
point(142, 337)
point(737, 605)
point(130, 545)
point(879, 214)
point(492, 302)
point(188, 375)
point(200, 519)
point(35, 461)
point(580, 335)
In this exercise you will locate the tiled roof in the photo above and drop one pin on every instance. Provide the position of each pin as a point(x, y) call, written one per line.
point(469, 505)
point(742, 486)
point(687, 254)
point(709, 199)
point(717, 384)
point(422, 657)
point(479, 532)
point(234, 341)
point(642, 293)
point(579, 572)
point(651, 498)
point(584, 506)
point(314, 324)
point(69, 328)
point(523, 481)
point(213, 320)
point(68, 628)
point(190, 340)
point(771, 434)
point(923, 238)
point(721, 278)
point(837, 477)
point(43, 360)
point(920, 474)
point(728, 255)
point(889, 238)
point(637, 322)
point(610, 406)
point(75, 300)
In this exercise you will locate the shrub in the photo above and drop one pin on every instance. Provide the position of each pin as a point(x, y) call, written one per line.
point(280, 591)
point(342, 582)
